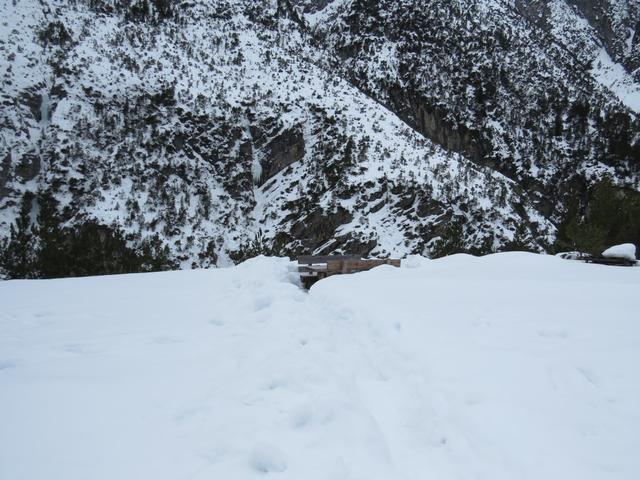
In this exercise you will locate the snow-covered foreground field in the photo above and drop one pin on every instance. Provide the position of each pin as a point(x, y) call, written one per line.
point(512, 366)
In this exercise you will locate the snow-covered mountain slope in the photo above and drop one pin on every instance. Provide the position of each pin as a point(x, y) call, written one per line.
point(175, 133)
point(177, 130)
point(501, 367)
point(480, 78)
point(602, 34)
point(616, 25)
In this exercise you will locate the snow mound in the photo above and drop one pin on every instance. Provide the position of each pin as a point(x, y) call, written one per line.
point(493, 368)
point(626, 251)
point(413, 261)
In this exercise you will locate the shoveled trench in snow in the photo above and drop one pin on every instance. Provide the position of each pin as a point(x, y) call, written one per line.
point(501, 367)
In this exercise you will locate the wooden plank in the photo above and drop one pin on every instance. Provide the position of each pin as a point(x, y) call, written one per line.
point(373, 263)
point(358, 265)
point(322, 267)
point(309, 259)
point(335, 266)
point(308, 274)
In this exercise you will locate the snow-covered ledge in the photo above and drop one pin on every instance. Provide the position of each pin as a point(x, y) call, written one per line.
point(625, 250)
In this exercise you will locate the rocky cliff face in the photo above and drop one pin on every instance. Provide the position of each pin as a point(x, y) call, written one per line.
point(196, 133)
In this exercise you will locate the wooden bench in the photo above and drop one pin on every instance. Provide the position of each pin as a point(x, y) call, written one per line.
point(316, 267)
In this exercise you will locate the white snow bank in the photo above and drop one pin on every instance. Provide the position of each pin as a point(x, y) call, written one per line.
point(413, 261)
point(626, 251)
point(501, 367)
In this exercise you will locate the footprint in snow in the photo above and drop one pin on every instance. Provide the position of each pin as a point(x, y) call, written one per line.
point(190, 413)
point(266, 458)
point(275, 383)
point(301, 416)
point(261, 303)
point(166, 340)
point(7, 364)
point(552, 333)
point(75, 348)
point(218, 322)
point(588, 376)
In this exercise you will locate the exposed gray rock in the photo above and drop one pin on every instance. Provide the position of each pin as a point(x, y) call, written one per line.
point(281, 151)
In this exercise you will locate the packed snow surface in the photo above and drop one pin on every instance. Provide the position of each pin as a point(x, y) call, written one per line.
point(511, 366)
point(626, 250)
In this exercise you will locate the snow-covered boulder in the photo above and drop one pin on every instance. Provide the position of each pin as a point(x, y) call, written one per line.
point(626, 251)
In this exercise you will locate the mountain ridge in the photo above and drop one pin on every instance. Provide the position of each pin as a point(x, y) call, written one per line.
point(198, 133)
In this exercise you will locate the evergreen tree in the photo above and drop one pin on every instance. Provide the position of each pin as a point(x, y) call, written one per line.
point(51, 261)
point(18, 257)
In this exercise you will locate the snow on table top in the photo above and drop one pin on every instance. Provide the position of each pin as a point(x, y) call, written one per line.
point(508, 366)
point(626, 250)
